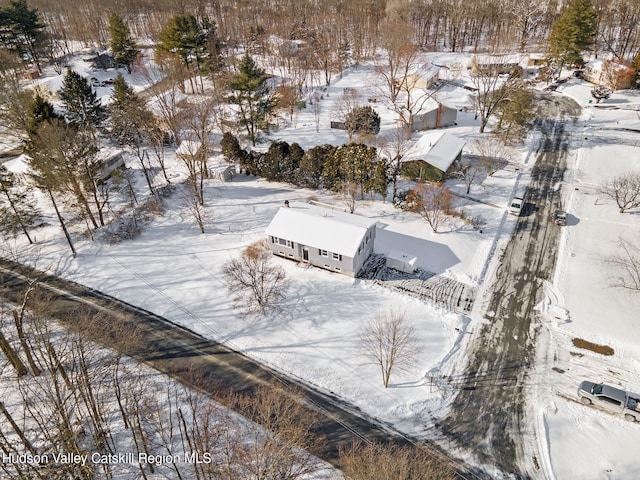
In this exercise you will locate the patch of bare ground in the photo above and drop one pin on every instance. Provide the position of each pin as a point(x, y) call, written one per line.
point(594, 347)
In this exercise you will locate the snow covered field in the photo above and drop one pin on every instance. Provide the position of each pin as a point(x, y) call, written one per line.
point(174, 271)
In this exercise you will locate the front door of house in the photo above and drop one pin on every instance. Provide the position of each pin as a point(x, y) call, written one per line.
point(305, 254)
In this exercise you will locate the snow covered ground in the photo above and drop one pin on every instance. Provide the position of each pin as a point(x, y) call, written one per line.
point(174, 271)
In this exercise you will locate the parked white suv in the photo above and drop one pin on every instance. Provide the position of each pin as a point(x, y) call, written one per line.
point(516, 206)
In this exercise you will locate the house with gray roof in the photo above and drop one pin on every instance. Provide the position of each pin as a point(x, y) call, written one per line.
point(335, 240)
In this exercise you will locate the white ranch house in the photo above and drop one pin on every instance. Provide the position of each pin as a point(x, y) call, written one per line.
point(334, 240)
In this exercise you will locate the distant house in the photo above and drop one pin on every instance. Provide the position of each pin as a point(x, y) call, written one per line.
point(435, 115)
point(422, 78)
point(431, 156)
point(498, 64)
point(109, 160)
point(334, 240)
point(608, 73)
point(223, 172)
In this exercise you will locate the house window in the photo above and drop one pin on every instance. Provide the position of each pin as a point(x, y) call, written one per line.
point(273, 239)
point(337, 257)
point(289, 244)
point(323, 253)
point(282, 241)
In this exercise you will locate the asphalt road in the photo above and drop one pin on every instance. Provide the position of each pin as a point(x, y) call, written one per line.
point(195, 360)
point(487, 416)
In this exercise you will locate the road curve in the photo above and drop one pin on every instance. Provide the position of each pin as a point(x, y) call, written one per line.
point(487, 416)
point(199, 362)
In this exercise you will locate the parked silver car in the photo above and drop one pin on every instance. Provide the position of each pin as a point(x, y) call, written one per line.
point(611, 399)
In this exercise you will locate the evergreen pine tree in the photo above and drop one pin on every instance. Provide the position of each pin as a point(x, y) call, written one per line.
point(251, 94)
point(40, 110)
point(123, 48)
point(312, 164)
point(573, 32)
point(83, 107)
point(183, 38)
point(22, 31)
point(274, 160)
point(129, 115)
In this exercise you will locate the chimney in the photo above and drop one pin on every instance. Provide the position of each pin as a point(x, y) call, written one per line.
point(286, 204)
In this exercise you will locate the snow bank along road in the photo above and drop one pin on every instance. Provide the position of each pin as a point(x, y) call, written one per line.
point(487, 416)
point(194, 360)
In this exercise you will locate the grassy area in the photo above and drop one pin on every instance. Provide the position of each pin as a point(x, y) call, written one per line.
point(594, 347)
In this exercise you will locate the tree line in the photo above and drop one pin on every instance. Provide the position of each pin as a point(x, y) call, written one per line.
point(355, 26)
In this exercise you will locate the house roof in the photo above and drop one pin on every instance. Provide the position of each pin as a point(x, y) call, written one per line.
point(439, 149)
point(334, 231)
point(19, 165)
point(430, 105)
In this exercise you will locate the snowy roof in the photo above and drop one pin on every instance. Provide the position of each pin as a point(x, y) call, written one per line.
point(334, 231)
point(439, 149)
point(189, 147)
point(399, 256)
point(107, 153)
point(19, 165)
point(221, 167)
point(508, 59)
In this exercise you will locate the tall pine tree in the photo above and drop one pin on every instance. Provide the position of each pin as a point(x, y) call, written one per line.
point(251, 93)
point(123, 48)
point(40, 110)
point(573, 32)
point(22, 31)
point(82, 105)
point(129, 115)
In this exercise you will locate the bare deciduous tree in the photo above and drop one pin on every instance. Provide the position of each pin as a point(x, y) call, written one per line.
point(281, 442)
point(195, 207)
point(393, 146)
point(493, 154)
point(434, 203)
point(389, 342)
point(627, 264)
point(253, 279)
point(492, 87)
point(383, 462)
point(471, 170)
point(624, 190)
point(350, 194)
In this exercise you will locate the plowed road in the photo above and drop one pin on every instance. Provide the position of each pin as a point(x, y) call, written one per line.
point(487, 415)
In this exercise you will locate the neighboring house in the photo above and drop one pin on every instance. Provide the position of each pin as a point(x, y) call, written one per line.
point(423, 78)
point(432, 155)
point(338, 241)
point(498, 64)
point(222, 171)
point(109, 159)
point(435, 115)
point(608, 73)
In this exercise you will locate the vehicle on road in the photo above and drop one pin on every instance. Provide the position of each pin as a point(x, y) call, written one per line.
point(610, 398)
point(560, 218)
point(516, 206)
